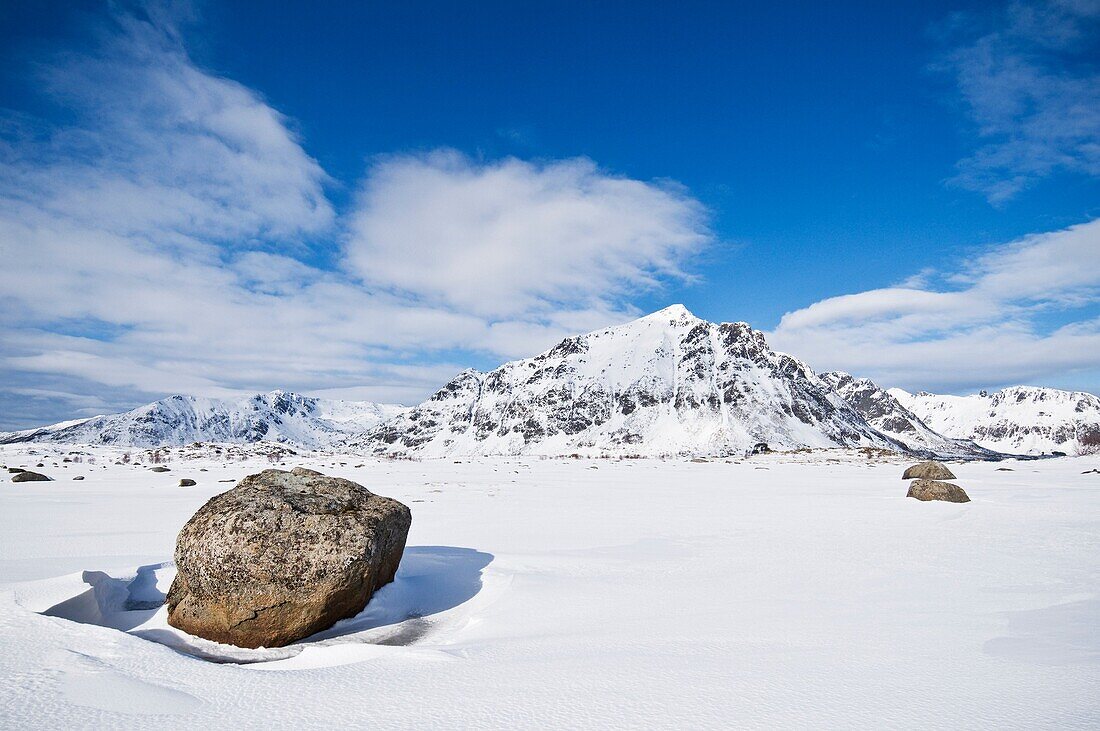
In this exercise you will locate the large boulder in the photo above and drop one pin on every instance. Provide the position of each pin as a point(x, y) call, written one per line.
point(28, 476)
point(935, 490)
point(930, 470)
point(283, 555)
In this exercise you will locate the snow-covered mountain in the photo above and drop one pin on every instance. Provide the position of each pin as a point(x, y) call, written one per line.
point(667, 383)
point(1020, 419)
point(884, 412)
point(276, 417)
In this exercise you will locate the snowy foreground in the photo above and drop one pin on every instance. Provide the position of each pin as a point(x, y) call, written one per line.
point(799, 590)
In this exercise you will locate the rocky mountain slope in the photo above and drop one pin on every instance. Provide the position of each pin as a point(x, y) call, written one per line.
point(1020, 419)
point(667, 383)
point(889, 416)
point(276, 417)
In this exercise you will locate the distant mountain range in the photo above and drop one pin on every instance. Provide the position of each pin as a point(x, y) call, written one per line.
point(1020, 419)
point(276, 417)
point(665, 384)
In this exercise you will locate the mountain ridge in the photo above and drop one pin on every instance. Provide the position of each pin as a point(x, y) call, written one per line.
point(1020, 419)
point(666, 383)
point(276, 416)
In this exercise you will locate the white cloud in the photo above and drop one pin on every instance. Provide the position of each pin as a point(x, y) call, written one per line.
point(159, 241)
point(985, 331)
point(515, 238)
point(1033, 94)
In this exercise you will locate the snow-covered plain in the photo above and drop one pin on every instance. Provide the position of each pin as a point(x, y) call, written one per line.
point(784, 590)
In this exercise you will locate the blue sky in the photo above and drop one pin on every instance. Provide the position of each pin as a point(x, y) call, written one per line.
point(359, 199)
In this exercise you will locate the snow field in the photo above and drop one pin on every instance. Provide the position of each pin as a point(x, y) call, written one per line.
point(786, 590)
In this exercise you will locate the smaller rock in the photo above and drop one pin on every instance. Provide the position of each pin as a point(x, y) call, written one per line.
point(1005, 469)
point(930, 470)
point(159, 469)
point(16, 470)
point(761, 448)
point(699, 459)
point(79, 477)
point(936, 490)
point(187, 482)
point(26, 476)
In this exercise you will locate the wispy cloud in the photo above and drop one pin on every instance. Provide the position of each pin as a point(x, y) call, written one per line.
point(981, 327)
point(1030, 84)
point(510, 237)
point(158, 240)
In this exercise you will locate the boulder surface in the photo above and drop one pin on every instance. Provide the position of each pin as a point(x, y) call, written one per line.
point(930, 470)
point(283, 555)
point(935, 490)
point(27, 476)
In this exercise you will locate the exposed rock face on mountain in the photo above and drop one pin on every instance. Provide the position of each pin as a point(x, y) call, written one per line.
point(889, 416)
point(1021, 419)
point(668, 383)
point(277, 417)
point(926, 490)
point(283, 555)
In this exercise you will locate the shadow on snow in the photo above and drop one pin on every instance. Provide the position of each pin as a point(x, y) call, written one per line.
point(430, 581)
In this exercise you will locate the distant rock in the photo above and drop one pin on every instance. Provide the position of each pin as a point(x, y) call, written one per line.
point(159, 468)
point(761, 448)
point(27, 476)
point(936, 490)
point(79, 477)
point(187, 482)
point(930, 470)
point(16, 470)
point(283, 555)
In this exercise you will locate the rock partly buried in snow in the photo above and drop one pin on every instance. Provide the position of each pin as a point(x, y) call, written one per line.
point(283, 555)
point(159, 469)
point(930, 470)
point(936, 490)
point(79, 477)
point(27, 476)
point(187, 482)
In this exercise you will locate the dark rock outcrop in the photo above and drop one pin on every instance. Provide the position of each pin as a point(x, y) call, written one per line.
point(930, 470)
point(936, 490)
point(283, 555)
point(27, 476)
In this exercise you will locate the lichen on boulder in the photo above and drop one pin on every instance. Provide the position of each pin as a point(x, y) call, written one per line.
point(284, 555)
point(930, 470)
point(935, 490)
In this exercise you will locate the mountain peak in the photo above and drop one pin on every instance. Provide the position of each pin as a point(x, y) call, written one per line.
point(666, 383)
point(673, 312)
